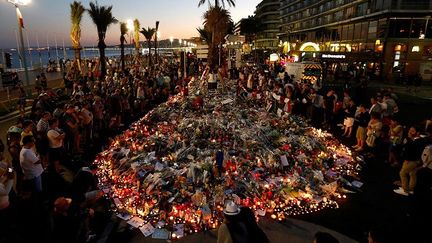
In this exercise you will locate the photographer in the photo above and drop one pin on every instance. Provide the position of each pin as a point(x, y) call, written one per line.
point(7, 180)
point(56, 150)
point(31, 165)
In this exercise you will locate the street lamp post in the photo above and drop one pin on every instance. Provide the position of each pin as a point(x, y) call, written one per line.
point(156, 41)
point(171, 40)
point(16, 3)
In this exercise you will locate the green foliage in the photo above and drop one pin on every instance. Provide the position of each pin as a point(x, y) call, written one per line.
point(102, 17)
point(77, 10)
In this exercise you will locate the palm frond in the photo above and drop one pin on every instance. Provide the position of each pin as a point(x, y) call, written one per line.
point(148, 33)
point(123, 28)
point(77, 10)
point(137, 26)
point(102, 17)
point(217, 3)
point(205, 35)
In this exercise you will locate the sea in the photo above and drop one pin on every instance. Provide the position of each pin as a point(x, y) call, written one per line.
point(38, 58)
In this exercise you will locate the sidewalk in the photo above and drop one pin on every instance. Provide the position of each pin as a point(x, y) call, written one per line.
point(9, 99)
point(291, 230)
point(423, 92)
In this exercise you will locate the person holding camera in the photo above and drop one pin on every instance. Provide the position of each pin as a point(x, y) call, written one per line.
point(31, 165)
point(7, 178)
point(7, 183)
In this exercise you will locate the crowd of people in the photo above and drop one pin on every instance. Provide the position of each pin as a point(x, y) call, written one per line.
point(51, 150)
point(374, 124)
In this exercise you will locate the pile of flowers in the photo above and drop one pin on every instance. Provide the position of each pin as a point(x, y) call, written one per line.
point(177, 166)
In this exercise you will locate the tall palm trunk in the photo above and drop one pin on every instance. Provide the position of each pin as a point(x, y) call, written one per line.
point(149, 54)
point(122, 46)
point(77, 54)
point(102, 61)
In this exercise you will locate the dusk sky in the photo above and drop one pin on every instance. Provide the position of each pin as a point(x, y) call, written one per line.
point(47, 19)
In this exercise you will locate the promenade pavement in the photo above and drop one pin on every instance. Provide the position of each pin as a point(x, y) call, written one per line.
point(289, 231)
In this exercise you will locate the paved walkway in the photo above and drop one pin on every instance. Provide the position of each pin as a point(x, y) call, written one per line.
point(423, 92)
point(289, 231)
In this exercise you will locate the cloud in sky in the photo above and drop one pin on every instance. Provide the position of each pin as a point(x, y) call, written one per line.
point(47, 20)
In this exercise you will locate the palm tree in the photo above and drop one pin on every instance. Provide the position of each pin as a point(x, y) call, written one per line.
point(102, 17)
point(217, 21)
point(148, 34)
point(137, 27)
point(217, 3)
point(250, 27)
point(77, 10)
point(123, 32)
point(205, 35)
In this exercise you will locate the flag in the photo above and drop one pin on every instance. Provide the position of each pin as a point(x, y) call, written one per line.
point(20, 18)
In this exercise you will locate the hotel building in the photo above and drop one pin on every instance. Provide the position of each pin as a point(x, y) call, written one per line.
point(389, 38)
point(269, 18)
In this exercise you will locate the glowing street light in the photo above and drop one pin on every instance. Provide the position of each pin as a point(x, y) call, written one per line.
point(171, 40)
point(20, 20)
point(130, 26)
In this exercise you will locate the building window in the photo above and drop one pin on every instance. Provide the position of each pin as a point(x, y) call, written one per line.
point(364, 31)
point(338, 15)
point(379, 5)
point(372, 30)
point(328, 19)
point(400, 28)
point(357, 31)
point(418, 28)
point(350, 32)
point(349, 12)
point(362, 9)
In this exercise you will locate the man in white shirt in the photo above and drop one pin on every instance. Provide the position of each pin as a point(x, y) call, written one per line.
point(31, 165)
point(55, 139)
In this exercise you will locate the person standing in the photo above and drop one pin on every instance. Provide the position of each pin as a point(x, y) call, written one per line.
point(373, 130)
point(27, 130)
point(329, 108)
point(56, 140)
point(42, 125)
point(86, 117)
point(412, 149)
point(395, 133)
point(7, 179)
point(349, 112)
point(362, 119)
point(375, 106)
point(31, 165)
point(233, 230)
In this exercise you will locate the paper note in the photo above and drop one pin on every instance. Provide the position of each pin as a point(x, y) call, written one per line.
point(147, 229)
point(179, 230)
point(284, 160)
point(261, 212)
point(227, 101)
point(135, 222)
point(161, 234)
point(357, 184)
point(124, 216)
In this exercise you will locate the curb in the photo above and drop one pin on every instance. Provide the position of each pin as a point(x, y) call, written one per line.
point(14, 114)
